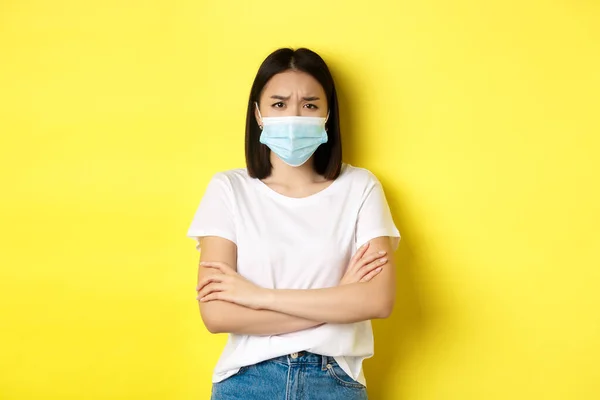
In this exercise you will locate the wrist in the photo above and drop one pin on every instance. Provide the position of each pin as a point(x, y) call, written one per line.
point(268, 299)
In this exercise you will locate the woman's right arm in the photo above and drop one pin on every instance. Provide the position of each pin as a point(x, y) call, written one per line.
point(224, 317)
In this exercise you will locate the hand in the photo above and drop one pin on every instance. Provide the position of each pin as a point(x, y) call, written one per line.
point(363, 268)
point(229, 286)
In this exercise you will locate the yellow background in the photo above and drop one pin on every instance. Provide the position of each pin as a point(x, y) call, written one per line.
point(480, 118)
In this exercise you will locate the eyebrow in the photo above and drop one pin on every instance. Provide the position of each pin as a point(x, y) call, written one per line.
point(278, 97)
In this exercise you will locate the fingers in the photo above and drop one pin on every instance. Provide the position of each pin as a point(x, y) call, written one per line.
point(356, 268)
point(371, 274)
point(211, 288)
point(366, 269)
point(214, 271)
point(224, 268)
point(210, 279)
point(371, 257)
point(361, 252)
point(353, 265)
point(202, 283)
point(212, 296)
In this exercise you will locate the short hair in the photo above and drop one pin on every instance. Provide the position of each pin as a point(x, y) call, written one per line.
point(327, 159)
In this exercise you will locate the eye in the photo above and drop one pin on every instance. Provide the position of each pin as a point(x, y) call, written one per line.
point(279, 104)
point(311, 106)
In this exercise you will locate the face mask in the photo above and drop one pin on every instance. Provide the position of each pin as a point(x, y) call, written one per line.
point(294, 139)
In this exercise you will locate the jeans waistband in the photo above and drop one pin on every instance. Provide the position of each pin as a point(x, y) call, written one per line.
point(304, 357)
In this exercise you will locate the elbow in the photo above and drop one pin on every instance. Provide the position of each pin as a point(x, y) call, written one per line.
point(213, 326)
point(384, 309)
point(212, 322)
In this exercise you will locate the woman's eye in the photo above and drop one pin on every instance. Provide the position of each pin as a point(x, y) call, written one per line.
point(311, 106)
point(278, 104)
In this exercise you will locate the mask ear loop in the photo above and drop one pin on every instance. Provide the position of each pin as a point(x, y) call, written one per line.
point(326, 119)
point(261, 118)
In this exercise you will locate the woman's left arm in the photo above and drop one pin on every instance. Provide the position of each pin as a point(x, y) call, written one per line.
point(341, 304)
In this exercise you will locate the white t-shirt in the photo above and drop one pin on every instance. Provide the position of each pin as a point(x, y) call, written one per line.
point(296, 243)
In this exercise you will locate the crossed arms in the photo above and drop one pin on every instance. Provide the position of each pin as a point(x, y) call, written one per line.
point(234, 305)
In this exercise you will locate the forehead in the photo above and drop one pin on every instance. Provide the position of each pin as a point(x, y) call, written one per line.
point(291, 81)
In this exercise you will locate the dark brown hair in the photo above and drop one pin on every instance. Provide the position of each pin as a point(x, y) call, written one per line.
point(328, 157)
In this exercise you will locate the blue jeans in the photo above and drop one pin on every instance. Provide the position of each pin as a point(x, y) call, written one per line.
point(299, 376)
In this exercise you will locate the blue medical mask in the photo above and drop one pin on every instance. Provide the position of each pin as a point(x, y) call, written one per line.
point(294, 139)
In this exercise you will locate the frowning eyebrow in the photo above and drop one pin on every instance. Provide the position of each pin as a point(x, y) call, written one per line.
point(311, 98)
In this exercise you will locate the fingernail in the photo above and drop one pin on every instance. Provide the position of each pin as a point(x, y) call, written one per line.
point(383, 260)
point(379, 269)
point(382, 252)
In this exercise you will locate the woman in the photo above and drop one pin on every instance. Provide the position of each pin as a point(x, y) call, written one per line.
point(296, 249)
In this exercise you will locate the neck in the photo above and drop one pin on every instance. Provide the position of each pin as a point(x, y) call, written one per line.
point(293, 176)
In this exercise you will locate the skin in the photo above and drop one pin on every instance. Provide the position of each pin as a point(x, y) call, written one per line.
point(343, 304)
point(220, 316)
point(226, 317)
point(293, 93)
point(230, 303)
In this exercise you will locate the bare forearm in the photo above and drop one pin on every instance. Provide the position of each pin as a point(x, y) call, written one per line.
point(342, 304)
point(224, 317)
point(345, 303)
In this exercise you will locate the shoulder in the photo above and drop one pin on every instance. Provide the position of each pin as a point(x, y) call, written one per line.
point(358, 176)
point(232, 179)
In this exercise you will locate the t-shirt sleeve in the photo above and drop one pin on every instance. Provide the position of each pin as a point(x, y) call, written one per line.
point(215, 214)
point(375, 218)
